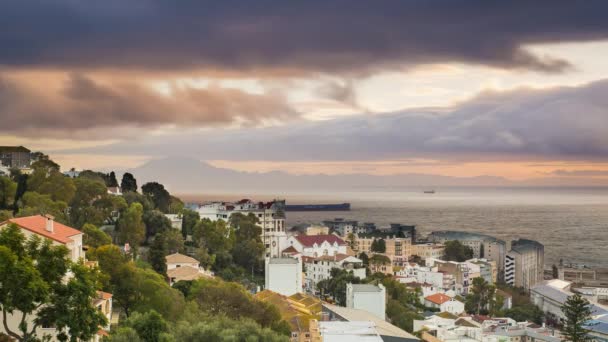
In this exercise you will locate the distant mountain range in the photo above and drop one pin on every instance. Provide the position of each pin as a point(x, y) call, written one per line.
point(185, 175)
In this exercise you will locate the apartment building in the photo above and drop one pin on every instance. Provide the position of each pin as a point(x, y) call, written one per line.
point(524, 264)
point(483, 246)
point(428, 250)
point(398, 249)
point(319, 268)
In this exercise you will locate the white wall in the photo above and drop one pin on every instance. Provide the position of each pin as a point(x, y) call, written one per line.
point(284, 278)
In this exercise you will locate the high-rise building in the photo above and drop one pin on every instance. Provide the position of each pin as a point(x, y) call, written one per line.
point(524, 264)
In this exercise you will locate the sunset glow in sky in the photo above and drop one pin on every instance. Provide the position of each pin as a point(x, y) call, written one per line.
point(469, 88)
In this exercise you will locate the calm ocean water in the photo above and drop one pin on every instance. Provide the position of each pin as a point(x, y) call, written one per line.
point(571, 223)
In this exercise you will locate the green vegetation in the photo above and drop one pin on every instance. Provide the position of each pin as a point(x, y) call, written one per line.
point(378, 246)
point(151, 309)
point(577, 311)
point(456, 251)
point(32, 284)
point(483, 299)
point(335, 286)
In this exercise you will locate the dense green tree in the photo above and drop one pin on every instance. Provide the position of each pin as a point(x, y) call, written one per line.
point(110, 259)
point(335, 286)
point(32, 280)
point(157, 253)
point(139, 290)
point(111, 180)
point(135, 197)
point(577, 311)
point(156, 222)
point(8, 190)
point(378, 246)
point(379, 259)
point(33, 203)
point(82, 210)
point(481, 298)
point(176, 206)
point(363, 256)
point(124, 334)
point(402, 316)
point(94, 236)
point(215, 235)
point(158, 195)
point(131, 228)
point(21, 190)
point(248, 254)
point(150, 326)
point(217, 298)
point(225, 330)
point(190, 219)
point(526, 312)
point(456, 251)
point(52, 183)
point(128, 183)
point(554, 271)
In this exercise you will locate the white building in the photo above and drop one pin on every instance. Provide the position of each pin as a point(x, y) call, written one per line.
point(319, 268)
point(317, 245)
point(368, 297)
point(46, 227)
point(357, 331)
point(284, 275)
point(270, 215)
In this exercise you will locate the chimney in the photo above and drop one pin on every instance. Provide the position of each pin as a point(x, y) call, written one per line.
point(49, 223)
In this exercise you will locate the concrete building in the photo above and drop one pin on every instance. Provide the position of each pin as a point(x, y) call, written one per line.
point(342, 226)
point(483, 246)
point(488, 270)
point(358, 331)
point(317, 245)
point(15, 156)
point(459, 270)
point(271, 217)
point(387, 331)
point(284, 275)
point(319, 268)
point(429, 250)
point(368, 297)
point(524, 264)
point(398, 249)
point(597, 277)
point(310, 229)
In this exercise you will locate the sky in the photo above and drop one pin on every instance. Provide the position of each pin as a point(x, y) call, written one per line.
point(514, 89)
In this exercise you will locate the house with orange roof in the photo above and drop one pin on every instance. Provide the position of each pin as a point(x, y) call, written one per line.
point(444, 303)
point(46, 227)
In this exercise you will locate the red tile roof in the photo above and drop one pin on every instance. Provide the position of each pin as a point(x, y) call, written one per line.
point(309, 240)
point(37, 225)
point(104, 295)
point(438, 298)
point(290, 250)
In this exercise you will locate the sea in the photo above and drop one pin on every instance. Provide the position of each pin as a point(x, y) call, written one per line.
point(572, 223)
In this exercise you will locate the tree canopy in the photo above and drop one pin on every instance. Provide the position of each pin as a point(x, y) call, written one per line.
point(456, 251)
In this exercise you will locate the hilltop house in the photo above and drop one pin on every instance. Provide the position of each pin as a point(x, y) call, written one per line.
point(183, 267)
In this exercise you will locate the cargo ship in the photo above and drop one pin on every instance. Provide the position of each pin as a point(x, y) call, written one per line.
point(318, 207)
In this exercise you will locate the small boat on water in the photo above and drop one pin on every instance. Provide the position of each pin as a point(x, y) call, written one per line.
point(429, 191)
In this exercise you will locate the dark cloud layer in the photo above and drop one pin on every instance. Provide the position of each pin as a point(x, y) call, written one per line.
point(568, 123)
point(338, 35)
point(84, 105)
